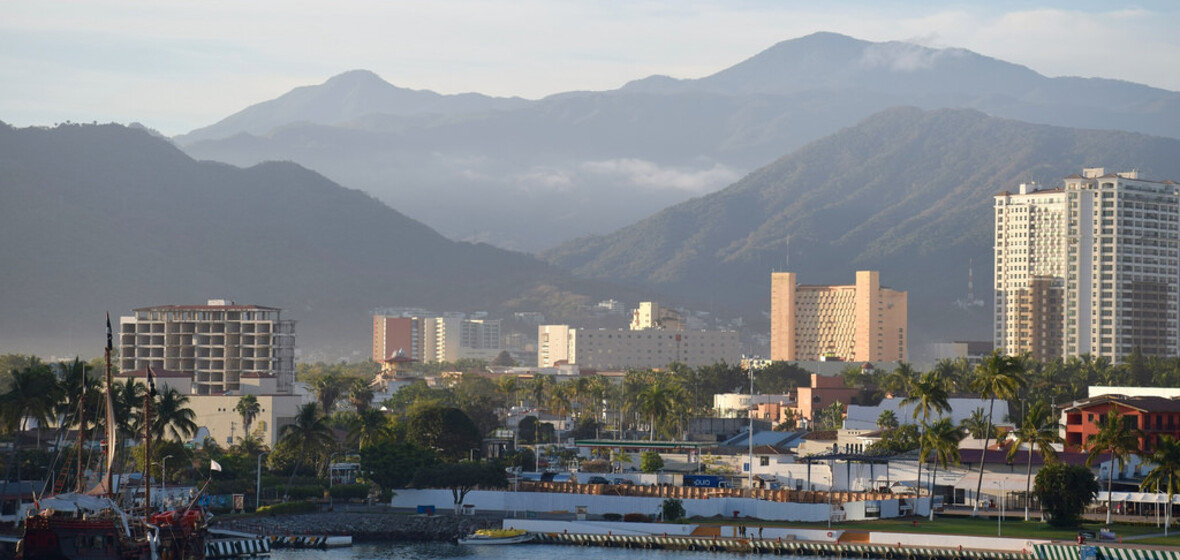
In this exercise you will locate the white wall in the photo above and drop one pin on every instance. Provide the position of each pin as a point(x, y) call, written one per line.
point(598, 505)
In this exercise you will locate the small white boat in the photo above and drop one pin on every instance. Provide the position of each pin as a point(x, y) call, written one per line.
point(497, 536)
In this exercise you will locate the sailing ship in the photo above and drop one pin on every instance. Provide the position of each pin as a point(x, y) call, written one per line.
point(91, 525)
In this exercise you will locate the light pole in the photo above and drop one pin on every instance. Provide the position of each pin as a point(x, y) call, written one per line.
point(831, 485)
point(751, 432)
point(163, 479)
point(1000, 517)
point(258, 480)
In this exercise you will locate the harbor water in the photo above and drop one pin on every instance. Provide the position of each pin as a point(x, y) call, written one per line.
point(446, 551)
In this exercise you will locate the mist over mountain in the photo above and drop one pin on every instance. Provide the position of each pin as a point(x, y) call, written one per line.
point(907, 192)
point(531, 174)
point(109, 218)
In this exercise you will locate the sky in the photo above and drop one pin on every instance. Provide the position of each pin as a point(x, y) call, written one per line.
point(177, 65)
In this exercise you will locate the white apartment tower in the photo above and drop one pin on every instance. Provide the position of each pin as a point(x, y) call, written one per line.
point(1092, 267)
point(216, 344)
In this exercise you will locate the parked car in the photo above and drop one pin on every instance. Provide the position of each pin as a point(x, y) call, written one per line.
point(597, 480)
point(622, 481)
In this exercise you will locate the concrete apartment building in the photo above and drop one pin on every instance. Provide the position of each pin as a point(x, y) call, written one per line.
point(1092, 267)
point(858, 322)
point(647, 347)
point(214, 354)
point(215, 343)
point(436, 339)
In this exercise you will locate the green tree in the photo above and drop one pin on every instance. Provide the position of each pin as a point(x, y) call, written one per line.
point(307, 434)
point(249, 408)
point(941, 439)
point(650, 462)
point(1164, 475)
point(461, 478)
point(658, 401)
point(887, 420)
point(172, 416)
point(366, 427)
point(504, 359)
point(33, 394)
point(672, 510)
point(830, 418)
point(360, 394)
point(328, 389)
point(448, 431)
point(1116, 437)
point(899, 440)
point(976, 425)
point(998, 377)
point(929, 396)
point(1064, 492)
point(1038, 430)
point(391, 465)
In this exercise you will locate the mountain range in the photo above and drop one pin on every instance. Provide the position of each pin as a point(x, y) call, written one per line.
point(530, 175)
point(907, 192)
point(100, 218)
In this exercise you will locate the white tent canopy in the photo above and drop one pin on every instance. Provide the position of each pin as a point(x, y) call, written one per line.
point(1137, 497)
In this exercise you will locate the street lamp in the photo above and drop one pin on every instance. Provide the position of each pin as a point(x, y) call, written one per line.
point(751, 432)
point(258, 480)
point(1000, 517)
point(163, 479)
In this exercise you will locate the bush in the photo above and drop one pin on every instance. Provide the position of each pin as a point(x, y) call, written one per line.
point(289, 507)
point(304, 491)
point(672, 509)
point(650, 462)
point(637, 518)
point(594, 466)
point(349, 491)
point(611, 517)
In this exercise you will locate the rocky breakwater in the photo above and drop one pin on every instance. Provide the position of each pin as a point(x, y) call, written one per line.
point(366, 526)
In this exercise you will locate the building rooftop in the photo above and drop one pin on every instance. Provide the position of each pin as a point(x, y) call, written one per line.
point(1142, 404)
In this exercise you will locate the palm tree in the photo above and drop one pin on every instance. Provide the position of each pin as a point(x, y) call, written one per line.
point(928, 393)
point(942, 440)
point(249, 407)
point(1119, 439)
point(1038, 430)
point(327, 391)
point(127, 398)
point(897, 382)
point(367, 427)
point(657, 401)
point(998, 377)
point(1165, 475)
point(887, 420)
point(976, 424)
point(360, 394)
point(308, 432)
point(172, 416)
point(33, 393)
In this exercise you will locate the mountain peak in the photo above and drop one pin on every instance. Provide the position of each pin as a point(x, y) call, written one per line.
point(358, 77)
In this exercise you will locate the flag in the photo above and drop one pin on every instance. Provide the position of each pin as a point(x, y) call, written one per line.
point(110, 344)
point(214, 466)
point(151, 381)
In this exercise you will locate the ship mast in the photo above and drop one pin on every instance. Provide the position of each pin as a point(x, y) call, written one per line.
point(112, 430)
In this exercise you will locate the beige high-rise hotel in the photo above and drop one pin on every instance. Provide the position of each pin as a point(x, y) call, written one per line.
point(862, 321)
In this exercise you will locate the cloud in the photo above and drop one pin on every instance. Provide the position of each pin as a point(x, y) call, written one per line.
point(904, 57)
point(544, 179)
point(646, 174)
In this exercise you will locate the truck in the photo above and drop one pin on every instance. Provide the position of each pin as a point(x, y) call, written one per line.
point(705, 481)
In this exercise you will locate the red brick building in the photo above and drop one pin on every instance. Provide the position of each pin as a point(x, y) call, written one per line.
point(1150, 415)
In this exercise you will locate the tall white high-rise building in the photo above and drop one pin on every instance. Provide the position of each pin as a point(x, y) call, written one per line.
point(1092, 267)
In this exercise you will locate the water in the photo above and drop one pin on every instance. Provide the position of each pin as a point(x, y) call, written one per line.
point(444, 551)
